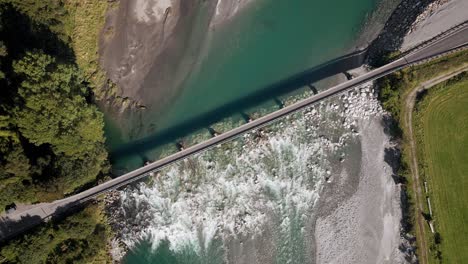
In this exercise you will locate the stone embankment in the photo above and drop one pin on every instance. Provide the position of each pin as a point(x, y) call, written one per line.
point(430, 9)
point(402, 21)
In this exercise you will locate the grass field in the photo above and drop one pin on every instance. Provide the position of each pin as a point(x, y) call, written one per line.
point(394, 92)
point(442, 135)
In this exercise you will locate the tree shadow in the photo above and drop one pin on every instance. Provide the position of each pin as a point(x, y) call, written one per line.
point(267, 93)
point(21, 34)
point(11, 228)
point(392, 127)
point(68, 209)
point(420, 95)
point(392, 157)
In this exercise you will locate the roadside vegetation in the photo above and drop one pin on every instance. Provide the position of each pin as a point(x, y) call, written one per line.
point(394, 91)
point(441, 123)
point(86, 18)
point(395, 87)
point(81, 238)
point(51, 132)
point(78, 24)
point(52, 140)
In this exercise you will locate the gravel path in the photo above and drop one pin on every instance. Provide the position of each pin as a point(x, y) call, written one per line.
point(409, 105)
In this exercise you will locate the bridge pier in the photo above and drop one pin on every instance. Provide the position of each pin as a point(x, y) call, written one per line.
point(278, 102)
point(348, 75)
point(213, 132)
point(246, 117)
point(180, 145)
point(14, 224)
point(145, 159)
point(313, 88)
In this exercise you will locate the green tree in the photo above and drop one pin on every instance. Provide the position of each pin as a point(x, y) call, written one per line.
point(80, 238)
point(6, 131)
point(51, 13)
point(15, 164)
point(55, 113)
point(3, 53)
point(55, 110)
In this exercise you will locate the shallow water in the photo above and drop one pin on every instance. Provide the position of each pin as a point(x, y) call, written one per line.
point(247, 201)
point(245, 198)
point(269, 41)
point(195, 208)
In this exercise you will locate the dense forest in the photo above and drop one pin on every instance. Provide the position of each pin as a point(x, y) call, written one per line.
point(81, 238)
point(51, 135)
point(51, 132)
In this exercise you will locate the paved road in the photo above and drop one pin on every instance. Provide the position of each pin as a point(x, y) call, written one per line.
point(456, 39)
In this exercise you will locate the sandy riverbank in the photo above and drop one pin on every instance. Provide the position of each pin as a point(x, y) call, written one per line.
point(148, 48)
point(435, 20)
point(363, 227)
point(143, 45)
point(359, 214)
point(146, 45)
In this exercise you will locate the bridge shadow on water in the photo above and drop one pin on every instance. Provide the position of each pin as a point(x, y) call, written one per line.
point(268, 93)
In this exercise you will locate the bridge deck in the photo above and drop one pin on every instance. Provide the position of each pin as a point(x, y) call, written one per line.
point(13, 224)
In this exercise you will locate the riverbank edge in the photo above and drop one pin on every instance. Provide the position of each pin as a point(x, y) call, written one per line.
point(403, 20)
point(389, 26)
point(402, 88)
point(380, 53)
point(387, 46)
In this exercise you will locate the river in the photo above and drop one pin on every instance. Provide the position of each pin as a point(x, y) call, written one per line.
point(267, 42)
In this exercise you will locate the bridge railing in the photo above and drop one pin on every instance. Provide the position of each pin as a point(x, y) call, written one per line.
point(428, 42)
point(222, 137)
point(265, 120)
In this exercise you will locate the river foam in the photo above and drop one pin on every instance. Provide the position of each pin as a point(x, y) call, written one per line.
point(271, 175)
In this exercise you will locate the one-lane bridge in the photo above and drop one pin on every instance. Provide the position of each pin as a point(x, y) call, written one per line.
point(12, 224)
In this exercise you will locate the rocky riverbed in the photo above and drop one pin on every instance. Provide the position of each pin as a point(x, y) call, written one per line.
point(330, 135)
point(342, 186)
point(403, 21)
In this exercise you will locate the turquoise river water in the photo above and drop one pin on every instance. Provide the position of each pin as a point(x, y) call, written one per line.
point(267, 42)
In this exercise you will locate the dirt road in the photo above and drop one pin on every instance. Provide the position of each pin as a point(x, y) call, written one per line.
point(408, 123)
